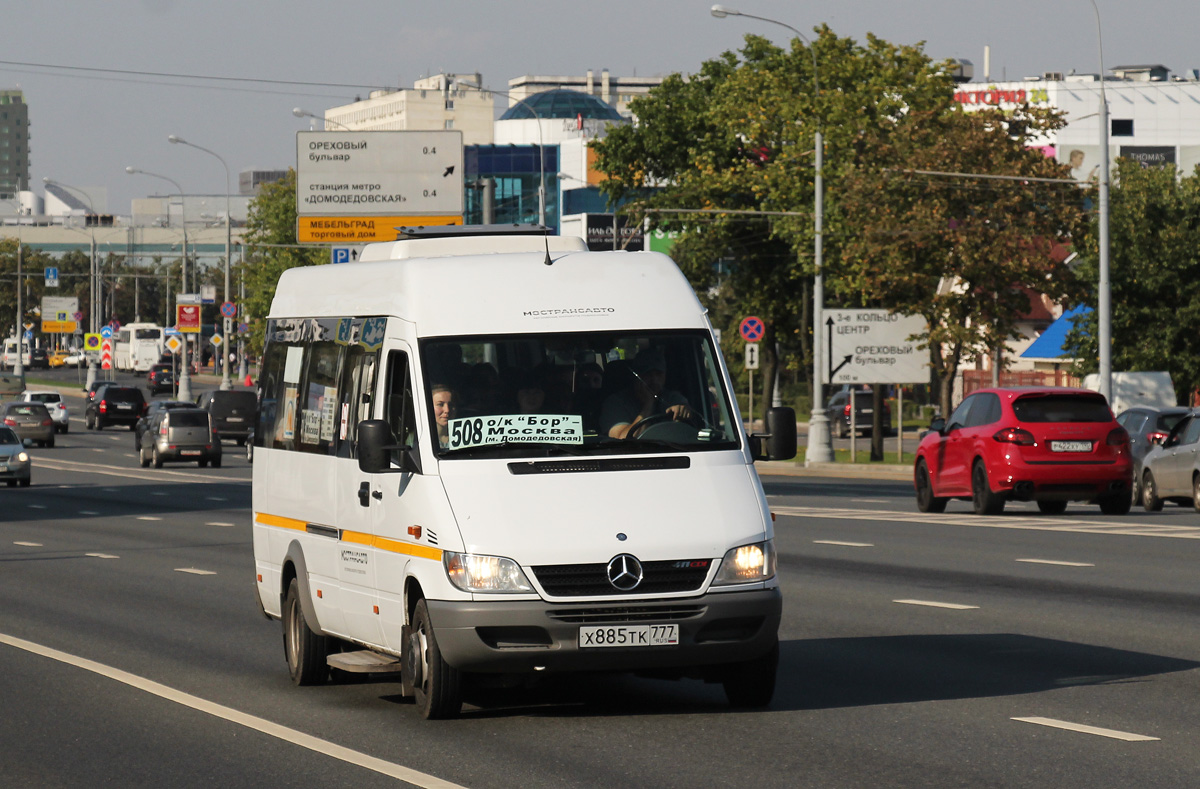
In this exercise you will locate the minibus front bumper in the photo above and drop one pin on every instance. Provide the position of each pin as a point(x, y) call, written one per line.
point(533, 635)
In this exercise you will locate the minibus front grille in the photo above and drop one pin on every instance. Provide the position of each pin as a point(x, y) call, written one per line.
point(640, 613)
point(588, 465)
point(591, 580)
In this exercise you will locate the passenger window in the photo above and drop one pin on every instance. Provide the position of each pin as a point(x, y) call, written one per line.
point(985, 411)
point(319, 413)
point(400, 409)
point(354, 406)
point(958, 418)
point(1192, 433)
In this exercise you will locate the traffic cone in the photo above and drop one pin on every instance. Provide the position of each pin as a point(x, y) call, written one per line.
point(249, 381)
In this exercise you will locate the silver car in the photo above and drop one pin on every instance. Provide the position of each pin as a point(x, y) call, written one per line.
point(54, 404)
point(15, 466)
point(180, 435)
point(30, 421)
point(1171, 470)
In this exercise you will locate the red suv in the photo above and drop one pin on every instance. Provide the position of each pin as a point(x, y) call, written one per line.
point(1045, 444)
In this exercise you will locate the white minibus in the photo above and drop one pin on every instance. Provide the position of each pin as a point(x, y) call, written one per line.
point(507, 455)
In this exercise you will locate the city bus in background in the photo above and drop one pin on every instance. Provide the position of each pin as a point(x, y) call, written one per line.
point(138, 347)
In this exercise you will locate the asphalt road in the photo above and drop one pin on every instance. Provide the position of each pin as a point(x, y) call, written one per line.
point(922, 651)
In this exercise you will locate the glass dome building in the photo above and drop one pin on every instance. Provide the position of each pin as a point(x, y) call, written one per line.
point(562, 104)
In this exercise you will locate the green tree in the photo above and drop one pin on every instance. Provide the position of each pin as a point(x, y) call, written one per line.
point(739, 135)
point(1154, 255)
point(272, 249)
point(957, 250)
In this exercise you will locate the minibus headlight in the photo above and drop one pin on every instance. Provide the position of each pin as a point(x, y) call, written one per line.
point(22, 457)
point(747, 563)
point(475, 573)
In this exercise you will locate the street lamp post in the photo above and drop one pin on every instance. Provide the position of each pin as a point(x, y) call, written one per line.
point(175, 139)
point(541, 146)
point(820, 445)
point(93, 284)
point(300, 112)
point(18, 366)
point(185, 377)
point(1104, 296)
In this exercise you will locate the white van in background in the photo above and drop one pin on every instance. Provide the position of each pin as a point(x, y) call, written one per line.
point(506, 455)
point(1150, 389)
point(9, 357)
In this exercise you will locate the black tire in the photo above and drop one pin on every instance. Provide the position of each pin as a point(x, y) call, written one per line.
point(752, 684)
point(1119, 504)
point(1052, 507)
point(305, 651)
point(982, 499)
point(143, 460)
point(437, 687)
point(89, 422)
point(27, 482)
point(839, 428)
point(66, 429)
point(1150, 500)
point(50, 442)
point(216, 463)
point(926, 501)
point(99, 423)
point(156, 458)
point(202, 463)
point(12, 483)
point(133, 427)
point(1196, 492)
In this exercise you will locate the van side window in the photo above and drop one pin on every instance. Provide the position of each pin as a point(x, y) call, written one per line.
point(400, 410)
point(354, 405)
point(318, 416)
point(279, 390)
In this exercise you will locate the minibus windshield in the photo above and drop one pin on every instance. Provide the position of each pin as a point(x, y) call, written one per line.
point(532, 395)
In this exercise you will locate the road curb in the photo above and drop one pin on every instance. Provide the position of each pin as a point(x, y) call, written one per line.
point(847, 470)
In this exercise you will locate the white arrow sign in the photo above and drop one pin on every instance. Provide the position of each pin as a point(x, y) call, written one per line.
point(872, 347)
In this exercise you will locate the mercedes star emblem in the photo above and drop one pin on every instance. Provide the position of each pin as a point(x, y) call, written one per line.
point(624, 572)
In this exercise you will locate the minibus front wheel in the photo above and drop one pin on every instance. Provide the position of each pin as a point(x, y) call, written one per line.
point(752, 684)
point(437, 688)
point(306, 651)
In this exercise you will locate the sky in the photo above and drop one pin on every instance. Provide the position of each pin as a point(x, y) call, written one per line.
point(88, 123)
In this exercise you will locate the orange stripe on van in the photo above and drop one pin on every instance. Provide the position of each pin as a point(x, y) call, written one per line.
point(420, 551)
point(267, 519)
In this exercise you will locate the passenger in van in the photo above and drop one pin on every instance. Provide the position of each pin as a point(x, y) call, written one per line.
point(442, 399)
point(645, 396)
point(483, 394)
point(531, 396)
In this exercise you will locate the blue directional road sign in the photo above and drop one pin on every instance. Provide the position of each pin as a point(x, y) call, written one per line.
point(51, 276)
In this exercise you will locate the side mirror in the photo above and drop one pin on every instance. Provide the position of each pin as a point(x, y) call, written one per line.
point(779, 442)
point(938, 425)
point(375, 444)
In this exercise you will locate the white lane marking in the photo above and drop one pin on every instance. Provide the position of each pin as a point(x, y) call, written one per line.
point(36, 506)
point(1057, 562)
point(102, 556)
point(995, 521)
point(935, 604)
point(160, 493)
point(218, 523)
point(869, 501)
point(215, 498)
point(149, 518)
point(88, 512)
point(193, 571)
point(1079, 727)
point(254, 722)
point(845, 544)
point(99, 449)
point(109, 490)
point(28, 544)
point(155, 475)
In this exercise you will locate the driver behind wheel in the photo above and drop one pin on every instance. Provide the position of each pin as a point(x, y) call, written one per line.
point(643, 398)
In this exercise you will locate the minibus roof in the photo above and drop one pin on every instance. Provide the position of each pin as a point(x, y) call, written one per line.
point(496, 285)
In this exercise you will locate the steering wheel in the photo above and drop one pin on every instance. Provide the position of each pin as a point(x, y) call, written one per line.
point(640, 427)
